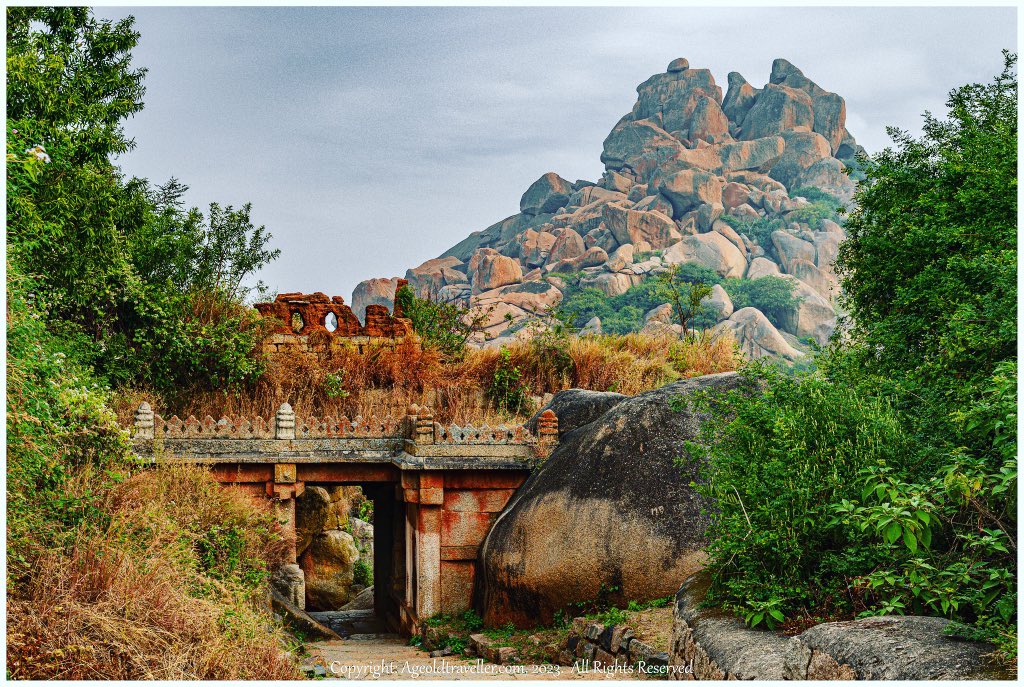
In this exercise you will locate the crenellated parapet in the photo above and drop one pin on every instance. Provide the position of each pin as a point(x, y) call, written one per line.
point(308, 438)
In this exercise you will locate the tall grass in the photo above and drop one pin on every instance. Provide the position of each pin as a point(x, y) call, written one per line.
point(384, 381)
point(171, 587)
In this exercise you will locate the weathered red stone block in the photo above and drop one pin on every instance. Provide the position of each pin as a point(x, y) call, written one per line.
point(464, 529)
point(493, 479)
point(477, 500)
point(459, 553)
point(457, 585)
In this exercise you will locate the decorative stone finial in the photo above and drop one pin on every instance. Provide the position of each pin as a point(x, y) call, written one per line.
point(144, 421)
point(423, 432)
point(284, 425)
point(547, 428)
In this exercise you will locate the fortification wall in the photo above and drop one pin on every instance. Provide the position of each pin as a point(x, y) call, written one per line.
point(307, 322)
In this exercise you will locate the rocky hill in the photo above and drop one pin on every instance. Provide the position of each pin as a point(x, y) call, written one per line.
point(744, 185)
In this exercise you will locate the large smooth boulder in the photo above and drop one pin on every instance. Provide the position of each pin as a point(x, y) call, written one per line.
point(756, 336)
point(690, 188)
point(718, 303)
point(803, 149)
point(533, 296)
point(823, 282)
point(290, 582)
point(708, 122)
point(373, 292)
point(762, 267)
point(489, 269)
point(363, 601)
point(545, 195)
point(812, 316)
point(531, 247)
point(312, 509)
point(672, 97)
point(632, 226)
point(901, 648)
point(611, 284)
point(427, 279)
point(608, 509)
point(641, 145)
point(567, 245)
point(826, 248)
point(830, 118)
point(778, 109)
point(620, 258)
point(739, 98)
point(711, 250)
point(329, 564)
point(592, 257)
point(709, 644)
point(577, 407)
point(791, 248)
point(829, 174)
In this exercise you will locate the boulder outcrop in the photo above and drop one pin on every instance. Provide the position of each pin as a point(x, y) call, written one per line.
point(690, 177)
point(609, 508)
point(709, 644)
point(374, 292)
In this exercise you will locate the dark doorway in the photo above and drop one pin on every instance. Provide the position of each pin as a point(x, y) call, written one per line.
point(346, 547)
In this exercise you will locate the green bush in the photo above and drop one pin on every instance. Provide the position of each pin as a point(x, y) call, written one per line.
point(758, 230)
point(445, 327)
point(774, 468)
point(58, 425)
point(885, 481)
point(362, 573)
point(507, 390)
point(625, 313)
point(771, 295)
point(155, 290)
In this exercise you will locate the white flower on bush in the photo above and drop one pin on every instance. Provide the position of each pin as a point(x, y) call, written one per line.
point(39, 152)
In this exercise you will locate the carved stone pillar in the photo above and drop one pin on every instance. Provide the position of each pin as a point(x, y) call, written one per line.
point(143, 422)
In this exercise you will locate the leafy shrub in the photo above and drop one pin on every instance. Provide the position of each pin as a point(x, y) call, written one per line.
point(774, 464)
point(155, 290)
point(758, 230)
point(443, 326)
point(885, 481)
point(58, 428)
point(507, 390)
point(771, 295)
point(624, 313)
point(362, 573)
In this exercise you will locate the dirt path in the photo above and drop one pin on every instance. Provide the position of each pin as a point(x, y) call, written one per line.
point(388, 657)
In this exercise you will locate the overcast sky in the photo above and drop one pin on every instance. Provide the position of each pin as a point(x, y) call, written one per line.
point(372, 139)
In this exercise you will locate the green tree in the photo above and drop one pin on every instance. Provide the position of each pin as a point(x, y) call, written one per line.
point(684, 294)
point(444, 326)
point(158, 290)
point(885, 481)
point(929, 270)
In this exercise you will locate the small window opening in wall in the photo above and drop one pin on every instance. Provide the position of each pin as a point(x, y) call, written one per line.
point(331, 322)
point(297, 323)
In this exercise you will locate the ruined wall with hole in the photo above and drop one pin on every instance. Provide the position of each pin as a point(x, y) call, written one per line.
point(309, 322)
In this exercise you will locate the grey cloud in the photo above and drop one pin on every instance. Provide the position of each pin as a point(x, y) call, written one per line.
point(371, 139)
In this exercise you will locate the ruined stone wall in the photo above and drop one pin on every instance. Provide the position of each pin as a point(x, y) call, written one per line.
point(308, 322)
point(595, 646)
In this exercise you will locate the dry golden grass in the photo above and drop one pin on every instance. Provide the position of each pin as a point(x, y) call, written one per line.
point(133, 602)
point(383, 381)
